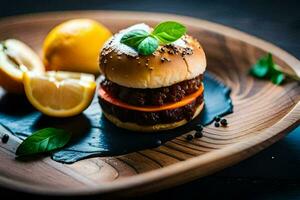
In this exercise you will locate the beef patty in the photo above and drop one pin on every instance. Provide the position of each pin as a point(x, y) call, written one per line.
point(155, 96)
point(152, 118)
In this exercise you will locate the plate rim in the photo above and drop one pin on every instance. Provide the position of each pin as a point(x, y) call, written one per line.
point(163, 175)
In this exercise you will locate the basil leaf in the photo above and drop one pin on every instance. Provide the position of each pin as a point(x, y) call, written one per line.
point(270, 61)
point(134, 38)
point(148, 46)
point(266, 68)
point(262, 66)
point(43, 140)
point(277, 78)
point(169, 31)
point(259, 70)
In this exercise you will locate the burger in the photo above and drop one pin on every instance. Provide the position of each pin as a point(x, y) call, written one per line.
point(151, 92)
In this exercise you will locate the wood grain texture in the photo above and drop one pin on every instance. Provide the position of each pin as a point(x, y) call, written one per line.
point(263, 113)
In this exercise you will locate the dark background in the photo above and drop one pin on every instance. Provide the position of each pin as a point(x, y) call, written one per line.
point(272, 174)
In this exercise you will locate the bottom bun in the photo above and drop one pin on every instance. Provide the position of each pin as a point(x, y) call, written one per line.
point(153, 128)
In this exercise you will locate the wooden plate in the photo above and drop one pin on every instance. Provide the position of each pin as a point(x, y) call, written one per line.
point(263, 113)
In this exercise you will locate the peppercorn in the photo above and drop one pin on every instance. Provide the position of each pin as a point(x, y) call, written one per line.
point(5, 138)
point(217, 124)
point(189, 137)
point(199, 128)
point(198, 134)
point(158, 142)
point(224, 122)
point(217, 118)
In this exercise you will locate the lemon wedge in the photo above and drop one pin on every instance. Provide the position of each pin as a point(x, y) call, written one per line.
point(16, 57)
point(59, 94)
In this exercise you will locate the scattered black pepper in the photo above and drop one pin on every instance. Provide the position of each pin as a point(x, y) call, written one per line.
point(217, 118)
point(189, 137)
point(198, 134)
point(158, 142)
point(224, 122)
point(217, 124)
point(5, 138)
point(199, 128)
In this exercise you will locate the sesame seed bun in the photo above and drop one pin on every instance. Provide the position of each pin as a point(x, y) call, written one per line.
point(152, 128)
point(169, 64)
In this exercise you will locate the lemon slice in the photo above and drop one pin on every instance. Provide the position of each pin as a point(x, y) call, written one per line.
point(59, 94)
point(16, 57)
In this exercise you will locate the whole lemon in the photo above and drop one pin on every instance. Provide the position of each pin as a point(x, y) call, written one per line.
point(74, 46)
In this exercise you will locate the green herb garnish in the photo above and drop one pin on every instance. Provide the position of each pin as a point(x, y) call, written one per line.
point(146, 43)
point(43, 140)
point(167, 32)
point(266, 68)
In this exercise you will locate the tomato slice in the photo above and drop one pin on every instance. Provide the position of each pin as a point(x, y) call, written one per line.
point(186, 100)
